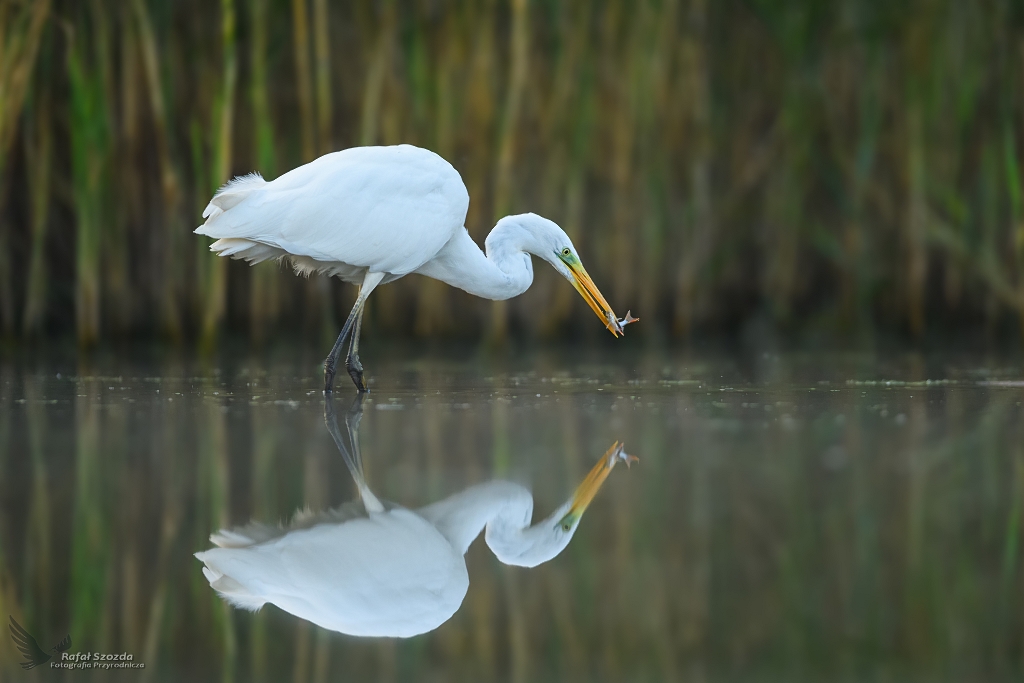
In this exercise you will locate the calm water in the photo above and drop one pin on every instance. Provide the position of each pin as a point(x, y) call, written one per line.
point(791, 518)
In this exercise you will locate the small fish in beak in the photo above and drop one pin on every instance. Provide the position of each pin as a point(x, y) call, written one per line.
point(620, 455)
point(626, 321)
point(619, 325)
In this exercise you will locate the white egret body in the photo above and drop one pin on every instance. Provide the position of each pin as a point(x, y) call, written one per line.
point(367, 569)
point(371, 215)
point(387, 573)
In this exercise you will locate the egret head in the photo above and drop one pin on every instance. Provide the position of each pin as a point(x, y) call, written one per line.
point(549, 242)
point(548, 538)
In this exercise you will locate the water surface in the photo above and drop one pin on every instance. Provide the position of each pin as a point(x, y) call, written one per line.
point(791, 517)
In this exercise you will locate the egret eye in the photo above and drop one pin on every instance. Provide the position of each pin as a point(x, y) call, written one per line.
point(566, 252)
point(566, 526)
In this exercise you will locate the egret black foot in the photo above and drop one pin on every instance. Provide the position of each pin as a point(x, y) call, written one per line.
point(355, 371)
point(328, 376)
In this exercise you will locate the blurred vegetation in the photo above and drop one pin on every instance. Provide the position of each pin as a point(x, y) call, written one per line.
point(785, 529)
point(843, 167)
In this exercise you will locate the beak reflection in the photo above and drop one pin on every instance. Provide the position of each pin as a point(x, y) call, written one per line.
point(592, 295)
point(590, 486)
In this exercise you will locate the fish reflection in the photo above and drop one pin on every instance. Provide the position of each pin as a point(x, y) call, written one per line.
point(373, 568)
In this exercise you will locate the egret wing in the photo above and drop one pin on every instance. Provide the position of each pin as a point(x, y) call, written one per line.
point(391, 574)
point(389, 209)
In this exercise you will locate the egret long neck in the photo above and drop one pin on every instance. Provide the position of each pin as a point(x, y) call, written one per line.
point(504, 272)
point(460, 518)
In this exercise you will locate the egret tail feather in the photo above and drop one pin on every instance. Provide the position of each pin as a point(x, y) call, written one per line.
point(233, 193)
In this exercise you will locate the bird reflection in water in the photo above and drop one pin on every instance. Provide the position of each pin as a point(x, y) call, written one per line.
point(373, 568)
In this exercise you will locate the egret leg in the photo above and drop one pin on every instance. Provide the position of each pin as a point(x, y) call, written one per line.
point(332, 357)
point(350, 451)
point(344, 447)
point(352, 364)
point(369, 282)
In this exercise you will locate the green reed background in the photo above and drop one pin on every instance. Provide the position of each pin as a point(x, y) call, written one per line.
point(840, 167)
point(873, 533)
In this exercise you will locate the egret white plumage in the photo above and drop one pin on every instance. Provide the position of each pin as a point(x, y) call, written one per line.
point(371, 215)
point(371, 568)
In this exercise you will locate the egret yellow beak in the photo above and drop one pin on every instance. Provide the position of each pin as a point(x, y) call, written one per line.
point(590, 293)
point(586, 491)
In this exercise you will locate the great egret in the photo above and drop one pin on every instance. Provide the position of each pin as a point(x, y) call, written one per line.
point(373, 214)
point(370, 568)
